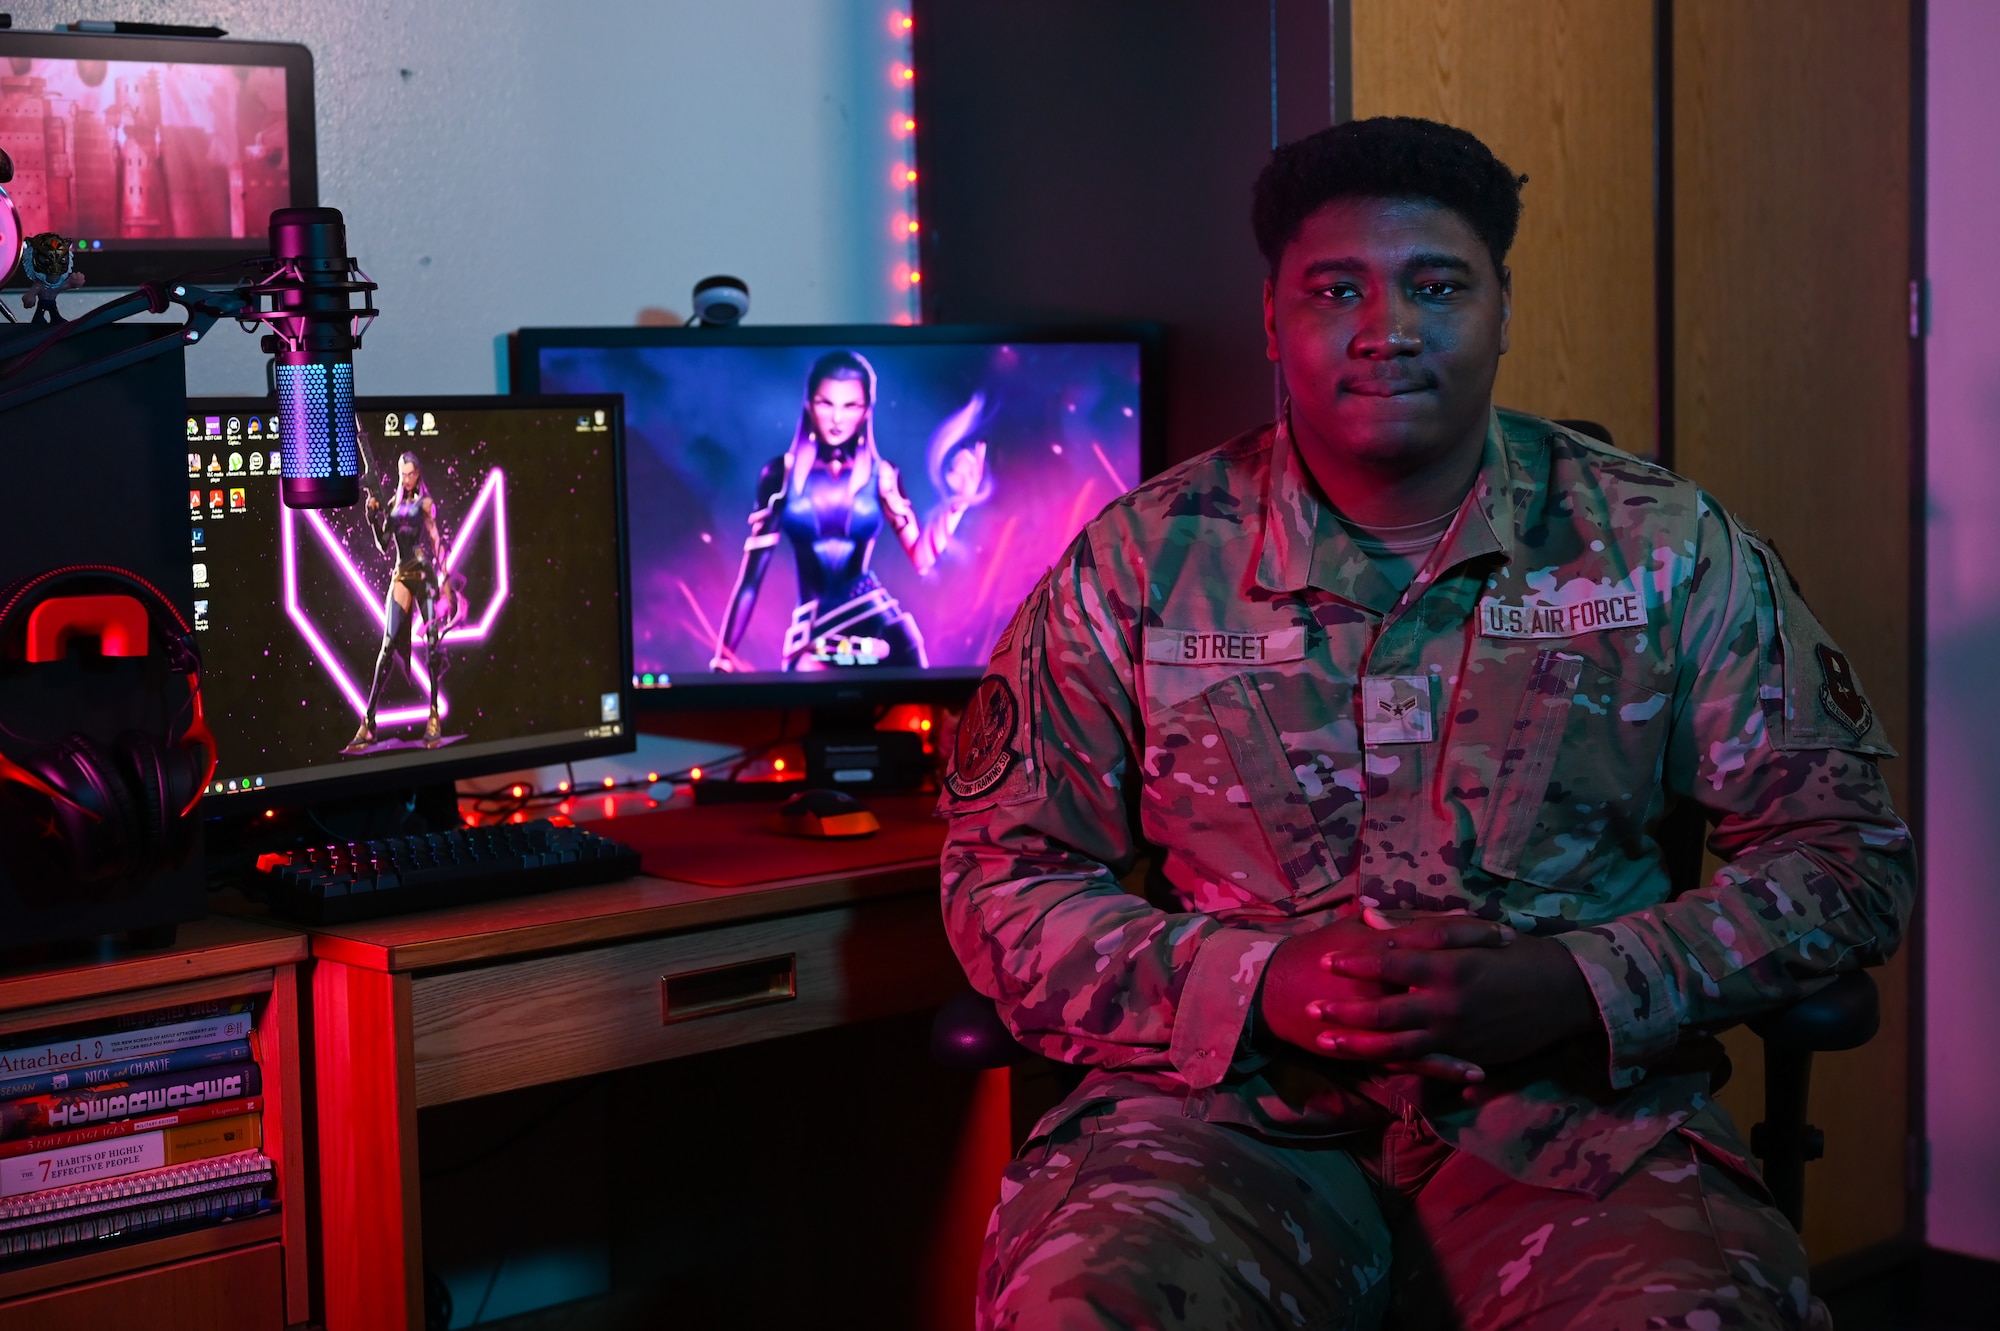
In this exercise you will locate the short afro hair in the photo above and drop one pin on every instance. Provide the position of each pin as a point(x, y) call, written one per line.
point(1386, 157)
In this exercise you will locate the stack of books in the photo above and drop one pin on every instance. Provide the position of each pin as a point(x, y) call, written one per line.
point(130, 1127)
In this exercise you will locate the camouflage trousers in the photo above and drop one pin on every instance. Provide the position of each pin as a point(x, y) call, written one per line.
point(1137, 1217)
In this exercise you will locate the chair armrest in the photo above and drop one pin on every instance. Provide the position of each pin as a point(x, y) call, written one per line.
point(1844, 1015)
point(968, 1033)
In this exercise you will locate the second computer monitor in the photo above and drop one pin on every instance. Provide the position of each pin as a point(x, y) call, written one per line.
point(819, 510)
point(470, 616)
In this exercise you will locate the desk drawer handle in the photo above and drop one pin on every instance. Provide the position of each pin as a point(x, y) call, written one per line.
point(732, 988)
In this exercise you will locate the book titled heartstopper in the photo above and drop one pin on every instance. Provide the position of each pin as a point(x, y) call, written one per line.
point(128, 1127)
point(63, 1111)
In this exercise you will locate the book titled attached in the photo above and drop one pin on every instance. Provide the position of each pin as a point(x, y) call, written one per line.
point(150, 1065)
point(110, 1046)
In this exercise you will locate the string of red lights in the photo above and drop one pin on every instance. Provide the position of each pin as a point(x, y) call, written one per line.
point(904, 227)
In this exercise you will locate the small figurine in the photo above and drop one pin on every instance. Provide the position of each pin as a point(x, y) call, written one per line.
point(48, 261)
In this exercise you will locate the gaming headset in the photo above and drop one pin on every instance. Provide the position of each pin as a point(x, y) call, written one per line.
point(127, 808)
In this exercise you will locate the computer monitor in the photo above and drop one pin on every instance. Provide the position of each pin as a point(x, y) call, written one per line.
point(836, 516)
point(500, 520)
point(159, 156)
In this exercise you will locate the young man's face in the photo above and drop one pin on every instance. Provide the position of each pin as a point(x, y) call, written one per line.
point(1389, 319)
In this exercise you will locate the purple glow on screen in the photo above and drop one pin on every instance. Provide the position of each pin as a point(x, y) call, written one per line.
point(493, 497)
point(1059, 423)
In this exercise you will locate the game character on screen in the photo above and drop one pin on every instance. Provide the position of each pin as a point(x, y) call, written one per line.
point(829, 495)
point(408, 530)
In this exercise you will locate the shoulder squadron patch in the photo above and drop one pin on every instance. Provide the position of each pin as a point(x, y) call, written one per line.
point(984, 750)
point(1839, 694)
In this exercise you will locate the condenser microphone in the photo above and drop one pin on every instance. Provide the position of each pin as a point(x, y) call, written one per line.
point(316, 330)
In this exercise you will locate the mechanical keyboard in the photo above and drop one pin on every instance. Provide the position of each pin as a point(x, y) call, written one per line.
point(338, 882)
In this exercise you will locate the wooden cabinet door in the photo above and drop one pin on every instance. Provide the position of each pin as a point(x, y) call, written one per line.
point(239, 1290)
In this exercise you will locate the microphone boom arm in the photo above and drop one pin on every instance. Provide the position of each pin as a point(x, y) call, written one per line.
point(204, 308)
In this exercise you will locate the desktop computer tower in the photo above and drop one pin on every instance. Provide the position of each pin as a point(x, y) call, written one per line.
point(93, 476)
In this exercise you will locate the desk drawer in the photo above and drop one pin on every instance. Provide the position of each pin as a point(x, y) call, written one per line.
point(549, 1018)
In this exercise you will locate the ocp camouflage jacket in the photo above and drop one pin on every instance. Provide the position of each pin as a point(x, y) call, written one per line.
point(1214, 677)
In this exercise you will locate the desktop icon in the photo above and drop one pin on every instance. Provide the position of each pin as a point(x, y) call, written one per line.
point(256, 464)
point(607, 707)
point(237, 500)
point(194, 428)
point(235, 427)
point(597, 420)
point(271, 427)
point(391, 424)
point(201, 616)
point(409, 422)
point(235, 464)
point(430, 423)
point(201, 575)
point(214, 424)
point(194, 464)
point(274, 462)
point(256, 428)
point(194, 503)
point(214, 464)
point(215, 503)
point(195, 535)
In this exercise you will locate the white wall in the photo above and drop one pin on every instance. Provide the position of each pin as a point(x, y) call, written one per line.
point(1961, 848)
point(504, 163)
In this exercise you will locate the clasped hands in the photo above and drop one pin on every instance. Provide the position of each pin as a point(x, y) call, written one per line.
point(1447, 996)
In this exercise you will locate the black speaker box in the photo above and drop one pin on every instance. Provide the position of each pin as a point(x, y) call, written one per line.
point(93, 476)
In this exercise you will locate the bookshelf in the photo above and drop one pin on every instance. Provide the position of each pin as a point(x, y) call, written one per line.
point(248, 1273)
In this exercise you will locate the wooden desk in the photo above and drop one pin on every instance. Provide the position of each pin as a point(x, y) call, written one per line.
point(421, 1010)
point(246, 1273)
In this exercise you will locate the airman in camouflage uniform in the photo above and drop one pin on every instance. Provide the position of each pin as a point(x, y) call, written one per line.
point(1217, 676)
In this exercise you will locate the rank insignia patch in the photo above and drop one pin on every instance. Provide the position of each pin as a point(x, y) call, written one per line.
point(1839, 694)
point(1396, 709)
point(984, 750)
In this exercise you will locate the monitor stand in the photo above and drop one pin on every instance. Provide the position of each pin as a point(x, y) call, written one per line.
point(844, 751)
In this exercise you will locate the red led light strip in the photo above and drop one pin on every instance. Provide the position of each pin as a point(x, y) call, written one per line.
point(904, 276)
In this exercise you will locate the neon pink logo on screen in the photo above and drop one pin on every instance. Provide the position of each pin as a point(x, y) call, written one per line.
point(492, 499)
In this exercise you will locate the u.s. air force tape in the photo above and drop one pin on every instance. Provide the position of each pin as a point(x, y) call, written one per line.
point(1222, 647)
point(1594, 614)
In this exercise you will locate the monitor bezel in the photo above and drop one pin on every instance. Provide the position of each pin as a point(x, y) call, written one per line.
point(129, 267)
point(949, 685)
point(333, 785)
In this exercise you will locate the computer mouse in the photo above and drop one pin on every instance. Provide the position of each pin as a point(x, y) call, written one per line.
point(824, 813)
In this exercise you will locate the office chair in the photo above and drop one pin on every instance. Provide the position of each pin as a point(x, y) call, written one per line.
point(967, 1032)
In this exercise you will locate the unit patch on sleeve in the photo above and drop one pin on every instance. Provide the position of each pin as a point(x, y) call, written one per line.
point(1602, 613)
point(984, 750)
point(1218, 647)
point(1839, 694)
